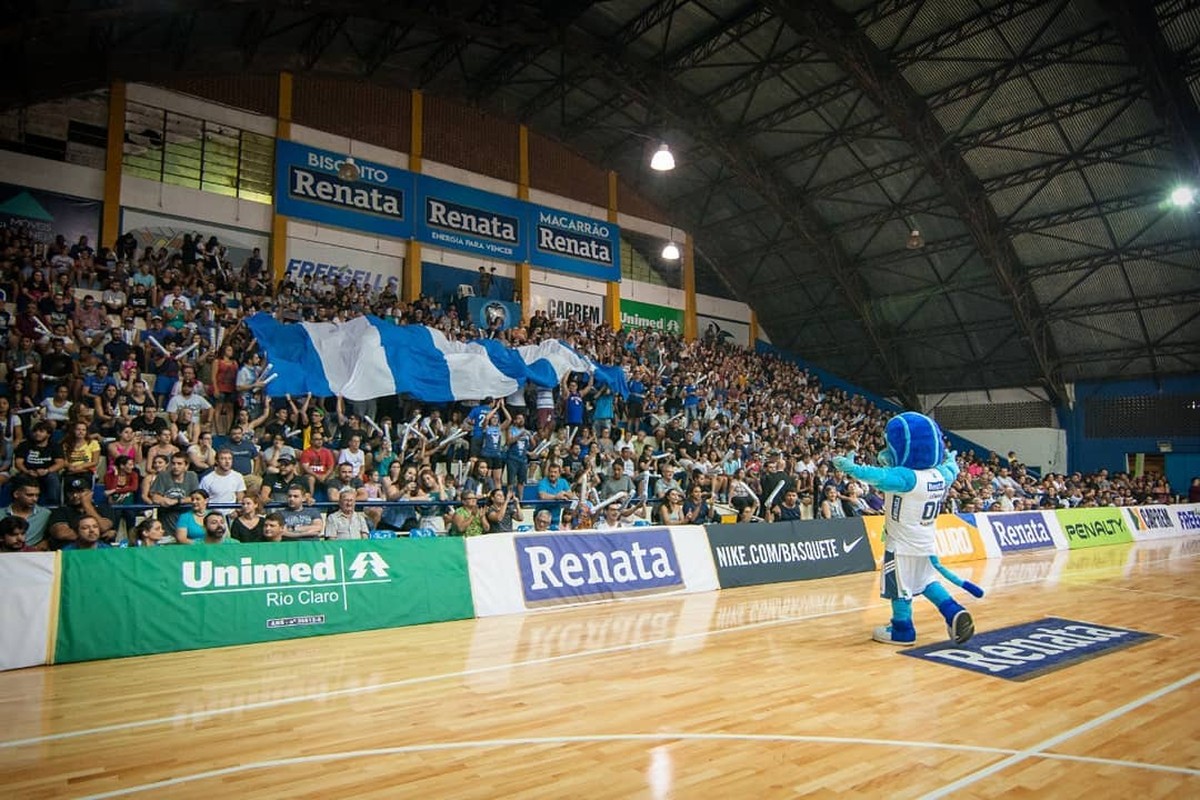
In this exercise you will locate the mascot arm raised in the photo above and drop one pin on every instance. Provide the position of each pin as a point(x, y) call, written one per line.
point(949, 466)
point(889, 479)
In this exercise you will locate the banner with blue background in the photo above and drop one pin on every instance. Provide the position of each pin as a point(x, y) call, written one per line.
point(307, 186)
point(571, 243)
point(394, 202)
point(461, 218)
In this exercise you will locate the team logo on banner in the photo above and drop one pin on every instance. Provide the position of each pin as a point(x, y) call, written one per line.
point(1093, 527)
point(1150, 522)
point(1018, 531)
point(1027, 651)
point(573, 568)
point(1189, 519)
point(330, 188)
point(746, 555)
point(577, 244)
point(471, 220)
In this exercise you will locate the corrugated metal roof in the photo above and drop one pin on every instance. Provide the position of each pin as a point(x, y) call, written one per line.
point(781, 128)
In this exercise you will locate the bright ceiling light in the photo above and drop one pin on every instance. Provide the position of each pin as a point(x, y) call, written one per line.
point(1183, 197)
point(671, 252)
point(663, 161)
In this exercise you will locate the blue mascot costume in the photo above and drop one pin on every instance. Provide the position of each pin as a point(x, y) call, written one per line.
point(915, 473)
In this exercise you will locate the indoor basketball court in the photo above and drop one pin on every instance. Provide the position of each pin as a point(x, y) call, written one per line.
point(767, 691)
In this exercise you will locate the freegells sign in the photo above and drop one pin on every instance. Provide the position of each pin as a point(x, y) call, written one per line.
point(342, 265)
point(315, 184)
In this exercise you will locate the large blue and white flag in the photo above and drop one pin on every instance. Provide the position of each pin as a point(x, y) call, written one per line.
point(368, 357)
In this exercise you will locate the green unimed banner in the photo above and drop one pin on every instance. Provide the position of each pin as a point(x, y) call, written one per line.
point(1093, 527)
point(648, 315)
point(132, 602)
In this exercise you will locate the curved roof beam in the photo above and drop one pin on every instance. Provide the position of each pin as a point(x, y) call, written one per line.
point(654, 88)
point(1137, 26)
point(836, 33)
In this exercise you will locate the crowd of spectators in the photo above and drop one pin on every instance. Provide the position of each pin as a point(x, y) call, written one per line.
point(133, 411)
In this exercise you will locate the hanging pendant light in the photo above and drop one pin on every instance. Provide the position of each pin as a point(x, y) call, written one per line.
point(348, 171)
point(662, 161)
point(671, 251)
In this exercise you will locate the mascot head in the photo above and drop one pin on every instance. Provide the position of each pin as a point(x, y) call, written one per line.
point(914, 441)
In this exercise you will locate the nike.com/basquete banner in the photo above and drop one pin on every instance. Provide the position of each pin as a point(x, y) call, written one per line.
point(752, 554)
point(133, 602)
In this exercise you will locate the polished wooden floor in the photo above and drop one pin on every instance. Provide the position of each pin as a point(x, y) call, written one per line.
point(764, 692)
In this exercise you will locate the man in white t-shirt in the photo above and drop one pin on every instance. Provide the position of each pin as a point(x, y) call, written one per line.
point(223, 484)
point(189, 398)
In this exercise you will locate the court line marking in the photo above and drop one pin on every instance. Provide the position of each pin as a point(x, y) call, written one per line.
point(374, 687)
point(321, 758)
point(355, 690)
point(1070, 733)
point(1142, 591)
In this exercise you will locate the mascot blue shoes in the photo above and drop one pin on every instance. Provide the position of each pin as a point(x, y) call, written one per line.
point(915, 473)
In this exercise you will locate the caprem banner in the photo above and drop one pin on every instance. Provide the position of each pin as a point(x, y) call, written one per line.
point(342, 265)
point(42, 215)
point(189, 598)
point(330, 188)
point(567, 304)
point(635, 314)
point(159, 230)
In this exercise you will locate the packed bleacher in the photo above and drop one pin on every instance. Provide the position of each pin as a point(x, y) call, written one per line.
point(134, 413)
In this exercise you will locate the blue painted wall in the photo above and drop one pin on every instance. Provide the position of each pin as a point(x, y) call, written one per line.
point(441, 283)
point(1090, 454)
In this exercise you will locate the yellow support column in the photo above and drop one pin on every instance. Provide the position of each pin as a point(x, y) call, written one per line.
point(753, 329)
point(612, 308)
point(110, 223)
point(689, 290)
point(283, 132)
point(523, 290)
point(410, 288)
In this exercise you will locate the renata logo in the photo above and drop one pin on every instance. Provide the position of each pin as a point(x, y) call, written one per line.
point(1020, 531)
point(572, 567)
point(464, 219)
point(1026, 651)
point(550, 240)
point(316, 186)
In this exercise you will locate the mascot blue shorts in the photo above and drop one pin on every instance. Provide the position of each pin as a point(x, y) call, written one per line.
point(915, 472)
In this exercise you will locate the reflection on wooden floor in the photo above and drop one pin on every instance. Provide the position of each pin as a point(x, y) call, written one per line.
point(772, 691)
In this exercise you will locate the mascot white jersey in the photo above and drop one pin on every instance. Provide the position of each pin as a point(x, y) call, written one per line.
point(915, 473)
